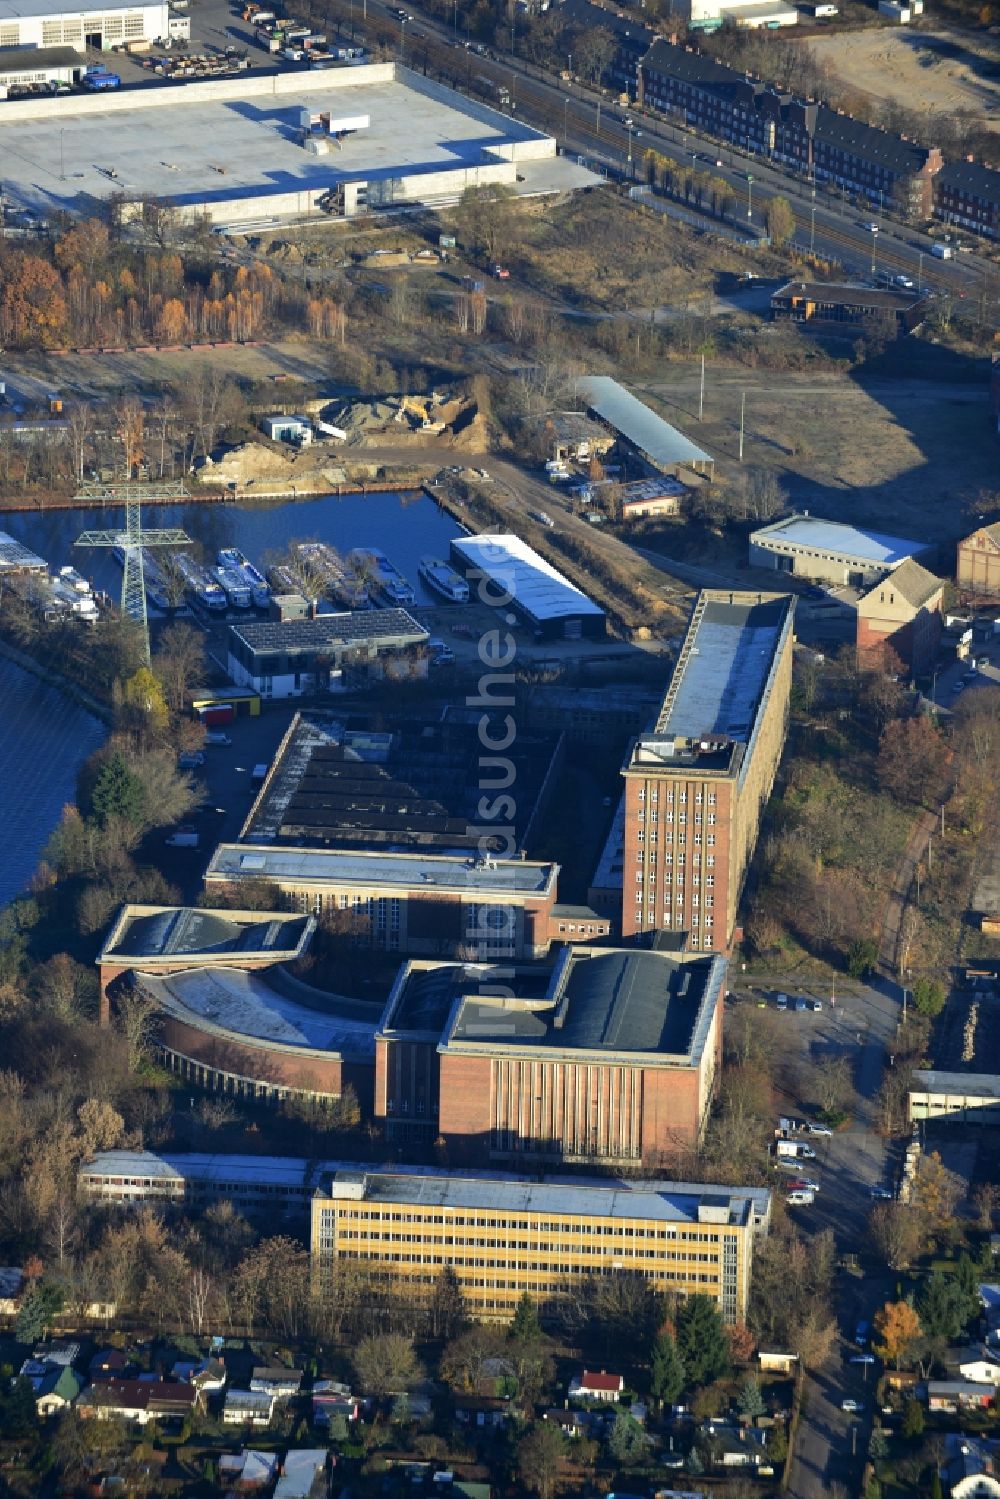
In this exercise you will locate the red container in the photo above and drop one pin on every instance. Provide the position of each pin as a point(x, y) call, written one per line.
point(215, 717)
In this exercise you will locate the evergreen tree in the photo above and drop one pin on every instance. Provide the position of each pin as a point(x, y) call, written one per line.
point(449, 1314)
point(18, 1415)
point(524, 1325)
point(693, 1462)
point(913, 1419)
point(666, 1380)
point(701, 1340)
point(30, 1323)
point(750, 1400)
point(936, 1485)
point(338, 1428)
point(118, 793)
point(626, 1441)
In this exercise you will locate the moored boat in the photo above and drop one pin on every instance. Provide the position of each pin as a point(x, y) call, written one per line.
point(383, 578)
point(443, 580)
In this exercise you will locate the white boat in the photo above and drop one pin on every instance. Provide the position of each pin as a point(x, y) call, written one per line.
point(235, 560)
point(383, 578)
point(443, 580)
point(283, 580)
point(235, 586)
point(156, 587)
point(199, 582)
point(340, 581)
point(63, 594)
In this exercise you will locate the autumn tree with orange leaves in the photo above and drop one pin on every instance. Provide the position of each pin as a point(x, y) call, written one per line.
point(897, 1331)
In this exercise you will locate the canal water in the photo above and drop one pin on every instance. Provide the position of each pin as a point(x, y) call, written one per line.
point(44, 736)
point(405, 527)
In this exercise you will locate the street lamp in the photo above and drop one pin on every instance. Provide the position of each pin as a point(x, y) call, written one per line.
point(565, 121)
point(920, 271)
point(812, 224)
point(749, 195)
point(874, 229)
point(630, 126)
point(402, 36)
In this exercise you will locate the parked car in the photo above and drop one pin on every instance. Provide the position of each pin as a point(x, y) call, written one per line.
point(817, 1004)
point(818, 1129)
point(802, 1184)
point(217, 737)
point(861, 1334)
point(883, 1194)
point(190, 760)
point(782, 1001)
point(183, 838)
point(855, 1407)
point(861, 1358)
point(904, 281)
point(801, 1005)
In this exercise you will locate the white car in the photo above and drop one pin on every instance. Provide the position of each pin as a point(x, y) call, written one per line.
point(853, 1406)
point(871, 226)
point(818, 1129)
point(862, 1358)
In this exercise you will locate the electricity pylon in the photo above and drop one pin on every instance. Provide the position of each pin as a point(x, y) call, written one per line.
point(133, 538)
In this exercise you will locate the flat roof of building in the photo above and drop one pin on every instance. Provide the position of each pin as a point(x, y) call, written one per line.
point(533, 584)
point(14, 557)
point(721, 682)
point(243, 1007)
point(292, 1171)
point(612, 1001)
point(838, 539)
point(425, 993)
point(241, 147)
point(661, 1201)
point(16, 10)
point(361, 627)
point(513, 878)
point(349, 781)
point(146, 933)
point(847, 294)
point(662, 444)
point(957, 1084)
point(34, 59)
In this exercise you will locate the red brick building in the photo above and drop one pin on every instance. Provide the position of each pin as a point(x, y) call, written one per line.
point(696, 786)
point(901, 614)
point(614, 1060)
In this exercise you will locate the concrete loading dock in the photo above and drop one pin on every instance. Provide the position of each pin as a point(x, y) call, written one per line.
point(234, 152)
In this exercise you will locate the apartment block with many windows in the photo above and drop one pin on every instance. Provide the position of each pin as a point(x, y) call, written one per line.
point(696, 786)
point(504, 1236)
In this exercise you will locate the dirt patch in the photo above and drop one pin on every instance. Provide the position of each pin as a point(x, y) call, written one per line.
point(939, 71)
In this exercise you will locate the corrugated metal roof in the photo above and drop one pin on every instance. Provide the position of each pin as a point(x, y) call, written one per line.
point(663, 444)
point(533, 584)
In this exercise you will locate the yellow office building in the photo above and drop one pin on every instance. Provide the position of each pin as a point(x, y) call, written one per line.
point(504, 1235)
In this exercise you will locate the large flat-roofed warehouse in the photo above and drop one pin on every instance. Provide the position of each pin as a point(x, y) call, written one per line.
point(38, 69)
point(413, 784)
point(409, 902)
point(695, 787)
point(237, 150)
point(554, 607)
point(298, 656)
point(963, 1097)
point(829, 551)
point(505, 1236)
point(46, 23)
point(614, 1060)
point(663, 446)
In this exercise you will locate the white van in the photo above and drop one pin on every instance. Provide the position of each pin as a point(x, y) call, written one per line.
point(800, 1197)
point(782, 1001)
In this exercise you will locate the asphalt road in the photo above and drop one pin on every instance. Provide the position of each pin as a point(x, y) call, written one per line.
point(586, 122)
point(861, 1025)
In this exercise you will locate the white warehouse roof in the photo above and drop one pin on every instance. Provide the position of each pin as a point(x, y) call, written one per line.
point(533, 584)
point(662, 444)
point(17, 10)
point(838, 538)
